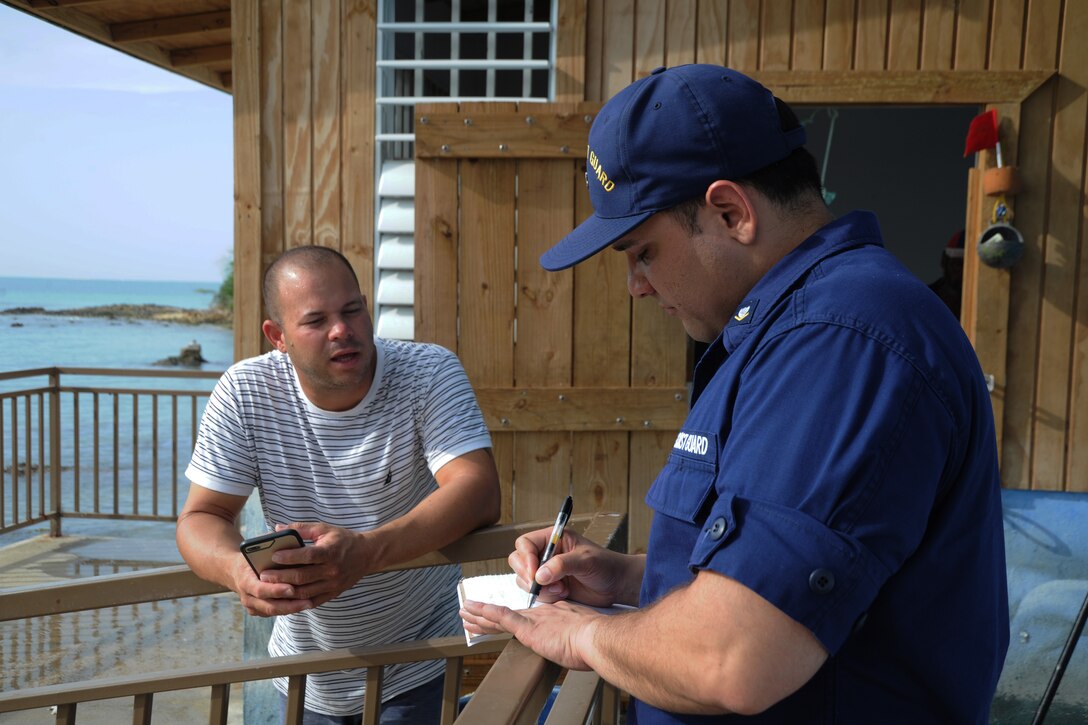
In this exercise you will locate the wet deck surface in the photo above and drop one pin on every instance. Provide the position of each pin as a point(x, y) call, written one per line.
point(142, 638)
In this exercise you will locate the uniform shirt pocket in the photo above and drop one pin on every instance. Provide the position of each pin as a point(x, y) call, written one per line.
point(686, 484)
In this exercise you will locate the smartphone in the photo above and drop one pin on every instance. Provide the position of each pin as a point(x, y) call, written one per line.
point(259, 549)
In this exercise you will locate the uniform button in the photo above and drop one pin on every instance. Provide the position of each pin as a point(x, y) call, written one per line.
point(821, 581)
point(716, 529)
point(659, 69)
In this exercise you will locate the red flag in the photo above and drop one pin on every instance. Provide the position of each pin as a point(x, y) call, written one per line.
point(983, 133)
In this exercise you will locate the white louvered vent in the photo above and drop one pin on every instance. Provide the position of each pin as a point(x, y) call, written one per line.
point(395, 257)
point(435, 51)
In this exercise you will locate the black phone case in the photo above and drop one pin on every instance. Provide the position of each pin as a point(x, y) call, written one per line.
point(258, 550)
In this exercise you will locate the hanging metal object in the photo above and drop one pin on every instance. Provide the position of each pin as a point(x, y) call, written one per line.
point(1000, 245)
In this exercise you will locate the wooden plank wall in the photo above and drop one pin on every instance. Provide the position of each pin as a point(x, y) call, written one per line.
point(303, 74)
point(575, 401)
point(1030, 324)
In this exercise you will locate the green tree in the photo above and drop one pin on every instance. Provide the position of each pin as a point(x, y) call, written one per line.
point(224, 298)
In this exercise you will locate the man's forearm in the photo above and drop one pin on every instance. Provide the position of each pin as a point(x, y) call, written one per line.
point(209, 545)
point(633, 653)
point(443, 517)
point(713, 646)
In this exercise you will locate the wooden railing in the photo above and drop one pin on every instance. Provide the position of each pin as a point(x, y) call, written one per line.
point(514, 691)
point(90, 451)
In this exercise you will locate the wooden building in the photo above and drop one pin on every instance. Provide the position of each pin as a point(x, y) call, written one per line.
point(583, 388)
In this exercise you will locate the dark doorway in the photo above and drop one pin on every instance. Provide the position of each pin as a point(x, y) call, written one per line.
point(905, 164)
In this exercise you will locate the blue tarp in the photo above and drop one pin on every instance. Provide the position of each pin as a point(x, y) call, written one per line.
point(1046, 546)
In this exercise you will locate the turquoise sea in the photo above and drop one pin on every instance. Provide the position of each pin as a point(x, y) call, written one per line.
point(31, 341)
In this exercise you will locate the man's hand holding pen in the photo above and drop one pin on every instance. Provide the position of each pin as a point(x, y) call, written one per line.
point(553, 543)
point(579, 570)
point(559, 631)
point(557, 565)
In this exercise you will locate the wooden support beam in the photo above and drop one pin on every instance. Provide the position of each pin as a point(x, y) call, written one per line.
point(167, 27)
point(46, 4)
point(83, 24)
point(902, 87)
point(525, 133)
point(203, 55)
point(583, 409)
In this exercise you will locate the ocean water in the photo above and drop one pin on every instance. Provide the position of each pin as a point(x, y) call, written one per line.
point(31, 341)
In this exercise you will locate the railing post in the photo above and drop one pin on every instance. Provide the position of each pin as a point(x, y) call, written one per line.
point(54, 454)
point(372, 703)
point(296, 699)
point(219, 704)
point(451, 689)
point(141, 708)
point(66, 714)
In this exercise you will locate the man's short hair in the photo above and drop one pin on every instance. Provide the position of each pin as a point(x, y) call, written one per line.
point(309, 257)
point(791, 183)
point(793, 179)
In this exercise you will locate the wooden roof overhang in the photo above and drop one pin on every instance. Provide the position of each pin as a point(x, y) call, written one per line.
point(188, 37)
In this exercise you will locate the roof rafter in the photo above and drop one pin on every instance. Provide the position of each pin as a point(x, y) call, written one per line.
point(204, 55)
point(46, 4)
point(170, 26)
point(89, 27)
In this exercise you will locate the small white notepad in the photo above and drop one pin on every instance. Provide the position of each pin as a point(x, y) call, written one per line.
point(503, 589)
point(499, 589)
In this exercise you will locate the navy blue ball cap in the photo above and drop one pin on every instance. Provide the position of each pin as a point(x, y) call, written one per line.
point(662, 141)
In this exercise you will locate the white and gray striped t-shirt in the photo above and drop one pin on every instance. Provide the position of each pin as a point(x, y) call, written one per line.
point(357, 469)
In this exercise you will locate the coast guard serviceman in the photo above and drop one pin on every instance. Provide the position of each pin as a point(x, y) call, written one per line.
point(827, 540)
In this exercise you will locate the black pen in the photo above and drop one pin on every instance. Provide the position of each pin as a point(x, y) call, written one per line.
point(557, 534)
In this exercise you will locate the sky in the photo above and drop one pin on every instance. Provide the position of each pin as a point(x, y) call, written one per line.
point(110, 167)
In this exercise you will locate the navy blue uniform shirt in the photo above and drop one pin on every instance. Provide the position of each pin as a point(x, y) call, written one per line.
point(839, 459)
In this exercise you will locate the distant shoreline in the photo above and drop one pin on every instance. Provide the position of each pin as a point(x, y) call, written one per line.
point(158, 313)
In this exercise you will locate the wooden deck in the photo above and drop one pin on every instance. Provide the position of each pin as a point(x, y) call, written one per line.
point(118, 641)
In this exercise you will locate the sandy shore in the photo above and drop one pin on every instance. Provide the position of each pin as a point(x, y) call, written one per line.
point(161, 313)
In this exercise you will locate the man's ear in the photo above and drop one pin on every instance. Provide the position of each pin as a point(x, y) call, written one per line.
point(274, 334)
point(733, 206)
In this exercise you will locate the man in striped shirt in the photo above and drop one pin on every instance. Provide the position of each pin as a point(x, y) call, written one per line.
point(373, 450)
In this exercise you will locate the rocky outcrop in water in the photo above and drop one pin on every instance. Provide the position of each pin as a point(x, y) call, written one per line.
point(190, 357)
point(160, 313)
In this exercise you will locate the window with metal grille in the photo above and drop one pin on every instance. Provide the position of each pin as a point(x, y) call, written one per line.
point(434, 51)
